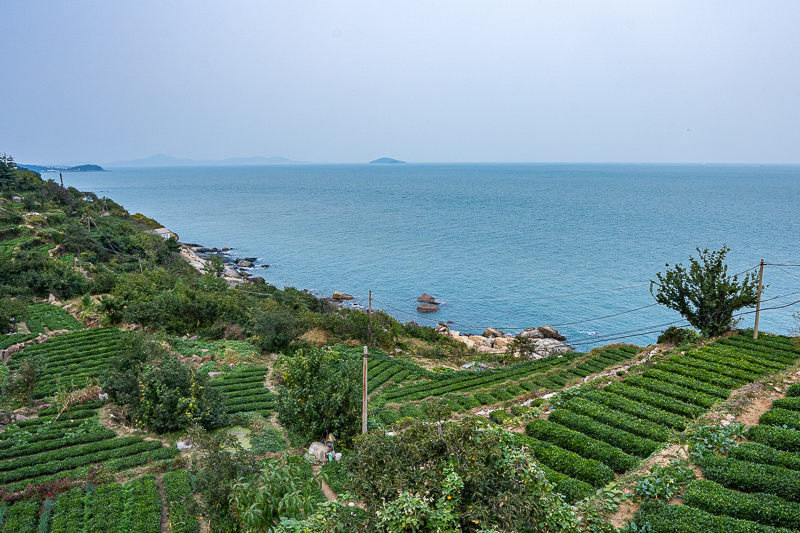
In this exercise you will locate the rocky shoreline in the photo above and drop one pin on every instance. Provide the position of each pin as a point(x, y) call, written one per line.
point(532, 343)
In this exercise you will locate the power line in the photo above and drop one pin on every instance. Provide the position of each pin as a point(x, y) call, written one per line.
point(604, 317)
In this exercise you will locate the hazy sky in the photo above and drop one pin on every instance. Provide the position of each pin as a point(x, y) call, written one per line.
point(449, 81)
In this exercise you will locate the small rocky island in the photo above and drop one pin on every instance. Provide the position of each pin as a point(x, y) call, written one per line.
point(387, 161)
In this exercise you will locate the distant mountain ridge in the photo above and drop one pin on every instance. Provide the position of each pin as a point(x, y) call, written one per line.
point(162, 160)
point(60, 168)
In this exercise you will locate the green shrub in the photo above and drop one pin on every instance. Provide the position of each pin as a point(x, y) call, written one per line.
point(142, 512)
point(69, 512)
point(485, 398)
point(502, 487)
point(668, 389)
point(781, 418)
point(579, 443)
point(571, 489)
point(411, 411)
point(183, 510)
point(752, 477)
point(780, 438)
point(666, 403)
point(792, 404)
point(106, 506)
point(337, 476)
point(21, 517)
point(759, 453)
point(762, 508)
point(658, 517)
point(569, 463)
point(268, 440)
point(627, 442)
point(677, 336)
point(793, 391)
point(321, 394)
point(638, 409)
point(620, 420)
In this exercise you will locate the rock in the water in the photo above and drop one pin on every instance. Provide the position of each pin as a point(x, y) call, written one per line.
point(427, 298)
point(531, 333)
point(244, 263)
point(550, 332)
point(225, 248)
point(342, 296)
point(251, 259)
point(264, 266)
point(319, 451)
point(493, 332)
point(427, 308)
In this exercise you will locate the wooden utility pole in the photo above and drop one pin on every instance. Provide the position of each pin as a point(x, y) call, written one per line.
point(758, 304)
point(369, 314)
point(364, 396)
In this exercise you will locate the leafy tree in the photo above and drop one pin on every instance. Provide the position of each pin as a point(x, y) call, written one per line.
point(321, 394)
point(7, 170)
point(158, 391)
point(704, 293)
point(457, 476)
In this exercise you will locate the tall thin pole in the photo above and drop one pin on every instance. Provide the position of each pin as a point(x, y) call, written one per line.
point(758, 304)
point(369, 314)
point(364, 396)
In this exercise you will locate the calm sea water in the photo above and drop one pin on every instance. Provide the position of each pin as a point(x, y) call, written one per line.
point(511, 246)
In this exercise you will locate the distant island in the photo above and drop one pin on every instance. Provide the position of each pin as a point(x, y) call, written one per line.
point(387, 161)
point(162, 160)
point(79, 168)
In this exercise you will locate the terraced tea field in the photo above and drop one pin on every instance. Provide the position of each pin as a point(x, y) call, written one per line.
point(48, 448)
point(134, 507)
point(71, 358)
point(613, 429)
point(244, 390)
point(44, 317)
point(754, 488)
point(400, 385)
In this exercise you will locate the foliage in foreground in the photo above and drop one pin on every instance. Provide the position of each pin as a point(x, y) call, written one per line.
point(474, 478)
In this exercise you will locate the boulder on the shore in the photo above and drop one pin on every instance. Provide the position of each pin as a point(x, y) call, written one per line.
point(426, 298)
point(531, 333)
point(549, 332)
point(427, 308)
point(251, 259)
point(342, 296)
point(493, 332)
point(244, 263)
point(256, 279)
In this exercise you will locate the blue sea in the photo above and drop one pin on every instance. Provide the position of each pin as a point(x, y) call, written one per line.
point(504, 245)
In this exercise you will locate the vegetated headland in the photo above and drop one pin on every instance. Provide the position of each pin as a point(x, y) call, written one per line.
point(154, 385)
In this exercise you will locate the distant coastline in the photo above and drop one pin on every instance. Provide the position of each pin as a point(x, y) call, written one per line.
point(78, 168)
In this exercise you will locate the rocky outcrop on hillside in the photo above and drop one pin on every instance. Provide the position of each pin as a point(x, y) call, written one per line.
point(538, 342)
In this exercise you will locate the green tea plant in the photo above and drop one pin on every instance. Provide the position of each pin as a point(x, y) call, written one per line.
point(715, 439)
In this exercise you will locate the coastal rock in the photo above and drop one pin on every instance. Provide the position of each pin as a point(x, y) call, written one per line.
point(251, 259)
point(549, 332)
point(225, 248)
point(502, 343)
point(412, 323)
point(318, 451)
point(342, 296)
point(493, 332)
point(478, 340)
point(531, 333)
point(264, 266)
point(244, 263)
point(256, 279)
point(427, 298)
point(427, 308)
point(548, 347)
